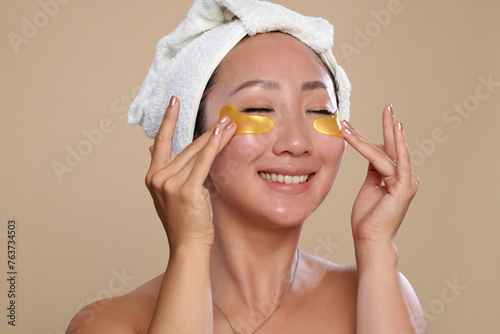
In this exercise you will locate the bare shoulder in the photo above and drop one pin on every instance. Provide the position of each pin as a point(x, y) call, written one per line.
point(347, 275)
point(328, 293)
point(127, 314)
point(342, 281)
point(414, 305)
point(337, 282)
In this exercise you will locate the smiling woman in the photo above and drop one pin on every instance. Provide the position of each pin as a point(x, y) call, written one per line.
point(236, 268)
point(292, 149)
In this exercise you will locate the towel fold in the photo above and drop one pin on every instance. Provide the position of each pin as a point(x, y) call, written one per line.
point(186, 58)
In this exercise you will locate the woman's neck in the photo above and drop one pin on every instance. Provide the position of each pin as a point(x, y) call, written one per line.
point(251, 266)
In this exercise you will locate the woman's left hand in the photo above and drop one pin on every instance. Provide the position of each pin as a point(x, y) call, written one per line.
point(389, 186)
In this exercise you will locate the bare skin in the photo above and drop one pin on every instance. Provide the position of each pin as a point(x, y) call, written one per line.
point(326, 305)
point(244, 257)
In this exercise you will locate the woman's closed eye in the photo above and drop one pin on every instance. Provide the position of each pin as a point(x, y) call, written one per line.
point(267, 110)
point(321, 112)
point(257, 110)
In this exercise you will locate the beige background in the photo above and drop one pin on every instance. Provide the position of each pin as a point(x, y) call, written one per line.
point(77, 71)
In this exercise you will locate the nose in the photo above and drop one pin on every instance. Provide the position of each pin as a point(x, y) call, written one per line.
point(292, 138)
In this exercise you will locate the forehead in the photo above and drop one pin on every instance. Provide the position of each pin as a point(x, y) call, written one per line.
point(273, 56)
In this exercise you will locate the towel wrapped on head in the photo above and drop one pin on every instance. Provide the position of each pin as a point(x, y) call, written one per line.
point(186, 58)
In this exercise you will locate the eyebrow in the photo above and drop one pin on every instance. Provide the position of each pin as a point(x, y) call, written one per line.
point(270, 84)
point(312, 85)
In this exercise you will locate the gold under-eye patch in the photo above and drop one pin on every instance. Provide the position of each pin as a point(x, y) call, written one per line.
point(247, 124)
point(328, 125)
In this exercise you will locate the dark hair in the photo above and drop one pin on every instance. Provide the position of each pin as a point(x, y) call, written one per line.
point(199, 126)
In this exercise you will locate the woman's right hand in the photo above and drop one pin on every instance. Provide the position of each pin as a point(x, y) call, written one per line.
point(177, 185)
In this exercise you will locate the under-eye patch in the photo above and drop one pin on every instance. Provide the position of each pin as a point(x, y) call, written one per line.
point(247, 124)
point(328, 125)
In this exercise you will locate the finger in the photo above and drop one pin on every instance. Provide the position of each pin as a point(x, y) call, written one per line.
point(196, 146)
point(162, 151)
point(374, 154)
point(388, 128)
point(182, 168)
point(198, 167)
point(403, 166)
point(348, 126)
point(203, 161)
point(373, 177)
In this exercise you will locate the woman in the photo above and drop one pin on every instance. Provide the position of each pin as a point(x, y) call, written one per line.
point(238, 270)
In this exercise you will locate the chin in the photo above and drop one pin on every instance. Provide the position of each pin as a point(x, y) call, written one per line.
point(264, 211)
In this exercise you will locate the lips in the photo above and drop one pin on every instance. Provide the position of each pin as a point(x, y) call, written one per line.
point(284, 178)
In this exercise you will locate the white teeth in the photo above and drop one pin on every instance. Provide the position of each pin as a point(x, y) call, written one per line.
point(287, 179)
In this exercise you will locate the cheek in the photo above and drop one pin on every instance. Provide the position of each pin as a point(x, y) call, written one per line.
point(238, 155)
point(332, 149)
point(246, 148)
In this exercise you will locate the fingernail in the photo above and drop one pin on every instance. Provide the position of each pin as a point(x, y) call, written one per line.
point(224, 119)
point(391, 110)
point(348, 131)
point(346, 125)
point(216, 131)
point(400, 126)
point(172, 101)
point(230, 125)
point(151, 149)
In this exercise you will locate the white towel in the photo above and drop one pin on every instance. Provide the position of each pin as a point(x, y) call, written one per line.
point(186, 58)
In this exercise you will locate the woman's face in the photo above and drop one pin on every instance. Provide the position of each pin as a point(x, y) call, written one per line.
point(283, 79)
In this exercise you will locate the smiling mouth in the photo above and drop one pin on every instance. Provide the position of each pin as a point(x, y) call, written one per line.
point(286, 179)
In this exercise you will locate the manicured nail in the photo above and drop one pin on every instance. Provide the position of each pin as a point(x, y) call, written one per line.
point(224, 119)
point(230, 125)
point(216, 131)
point(390, 109)
point(172, 101)
point(400, 126)
point(346, 124)
point(151, 149)
point(348, 131)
